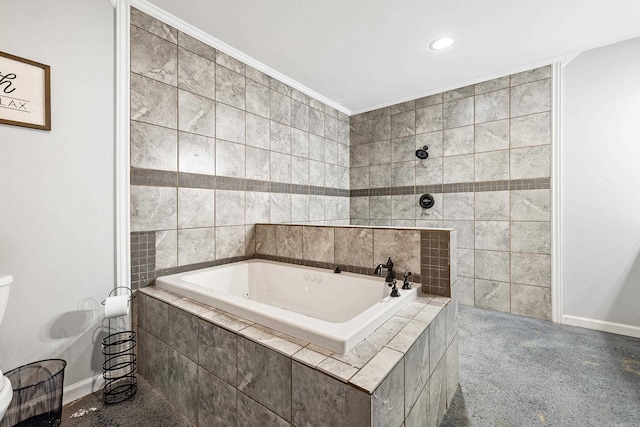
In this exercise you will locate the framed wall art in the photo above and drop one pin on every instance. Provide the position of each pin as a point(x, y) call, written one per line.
point(25, 93)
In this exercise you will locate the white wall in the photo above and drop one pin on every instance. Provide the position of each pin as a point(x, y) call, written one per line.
point(57, 188)
point(601, 187)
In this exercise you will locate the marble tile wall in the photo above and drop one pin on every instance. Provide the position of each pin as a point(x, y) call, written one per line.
point(427, 254)
point(219, 369)
point(489, 172)
point(217, 146)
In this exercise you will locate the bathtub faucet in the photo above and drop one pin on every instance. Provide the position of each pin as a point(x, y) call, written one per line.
point(390, 273)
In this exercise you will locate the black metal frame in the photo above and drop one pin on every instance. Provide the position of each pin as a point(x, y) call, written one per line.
point(119, 367)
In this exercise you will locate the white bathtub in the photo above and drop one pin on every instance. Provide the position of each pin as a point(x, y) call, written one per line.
point(334, 311)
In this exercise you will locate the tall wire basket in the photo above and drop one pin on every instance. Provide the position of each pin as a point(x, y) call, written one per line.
point(119, 366)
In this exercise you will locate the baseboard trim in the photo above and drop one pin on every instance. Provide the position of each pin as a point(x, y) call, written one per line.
point(82, 388)
point(602, 325)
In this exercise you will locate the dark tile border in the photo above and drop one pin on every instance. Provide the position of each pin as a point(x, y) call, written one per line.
point(458, 187)
point(492, 186)
point(158, 178)
point(153, 178)
point(193, 180)
point(416, 278)
point(433, 188)
point(531, 184)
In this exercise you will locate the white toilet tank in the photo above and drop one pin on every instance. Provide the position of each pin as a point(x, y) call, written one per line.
point(5, 282)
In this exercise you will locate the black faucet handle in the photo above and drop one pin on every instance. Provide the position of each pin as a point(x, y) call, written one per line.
point(406, 284)
point(394, 289)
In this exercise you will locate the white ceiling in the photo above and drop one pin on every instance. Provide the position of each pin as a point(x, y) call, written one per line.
point(364, 54)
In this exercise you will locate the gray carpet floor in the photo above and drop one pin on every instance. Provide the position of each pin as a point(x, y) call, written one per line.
point(514, 371)
point(518, 371)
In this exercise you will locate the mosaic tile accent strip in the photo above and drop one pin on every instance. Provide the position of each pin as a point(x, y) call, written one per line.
point(530, 184)
point(458, 187)
point(158, 178)
point(153, 178)
point(493, 185)
point(194, 180)
point(143, 258)
point(435, 262)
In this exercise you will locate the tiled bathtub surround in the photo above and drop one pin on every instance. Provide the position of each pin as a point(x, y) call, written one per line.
point(219, 369)
point(217, 146)
point(427, 254)
point(489, 172)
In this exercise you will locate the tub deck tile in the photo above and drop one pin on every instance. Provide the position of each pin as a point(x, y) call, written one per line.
point(284, 336)
point(440, 301)
point(370, 346)
point(309, 357)
point(161, 294)
point(369, 377)
point(319, 349)
point(225, 320)
point(337, 369)
point(389, 329)
point(407, 336)
point(280, 342)
point(428, 313)
point(359, 355)
point(411, 309)
point(424, 298)
point(190, 306)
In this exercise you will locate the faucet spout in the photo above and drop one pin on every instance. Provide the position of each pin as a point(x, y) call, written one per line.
point(378, 270)
point(390, 273)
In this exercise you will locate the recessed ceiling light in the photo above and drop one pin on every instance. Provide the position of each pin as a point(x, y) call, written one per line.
point(441, 43)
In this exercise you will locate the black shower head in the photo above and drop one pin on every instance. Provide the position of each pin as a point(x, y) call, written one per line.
point(421, 153)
